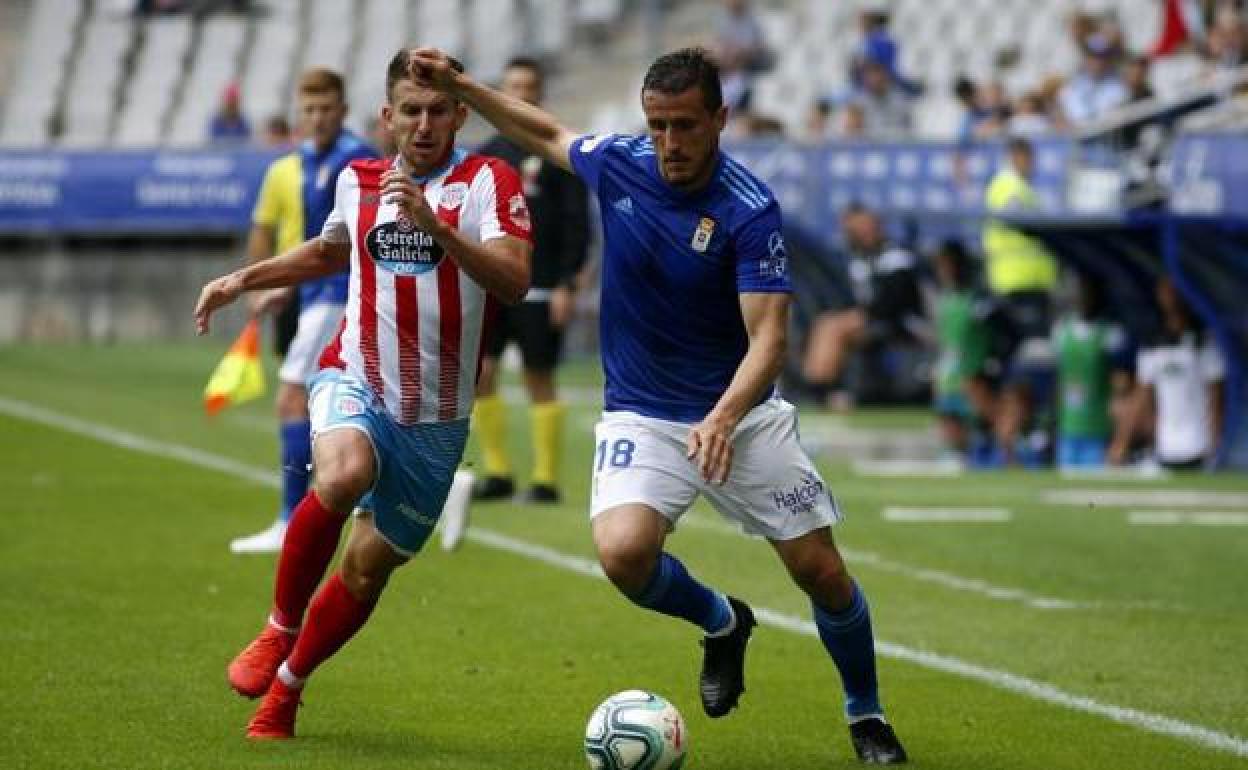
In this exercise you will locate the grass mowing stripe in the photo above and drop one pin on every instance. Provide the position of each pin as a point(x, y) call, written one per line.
point(1153, 723)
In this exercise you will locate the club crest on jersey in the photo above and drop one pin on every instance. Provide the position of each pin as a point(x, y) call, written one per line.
point(349, 406)
point(403, 251)
point(453, 195)
point(702, 236)
point(519, 211)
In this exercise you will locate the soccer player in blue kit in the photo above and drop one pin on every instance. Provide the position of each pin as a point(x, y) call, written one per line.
point(694, 314)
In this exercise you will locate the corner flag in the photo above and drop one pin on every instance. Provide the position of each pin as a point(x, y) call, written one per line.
point(240, 376)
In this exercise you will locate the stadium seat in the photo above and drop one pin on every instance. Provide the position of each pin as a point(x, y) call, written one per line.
point(215, 63)
point(41, 72)
point(95, 81)
point(150, 90)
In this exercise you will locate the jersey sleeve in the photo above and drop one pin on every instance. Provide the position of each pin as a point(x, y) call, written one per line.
point(762, 259)
point(335, 228)
point(500, 196)
point(587, 155)
point(267, 210)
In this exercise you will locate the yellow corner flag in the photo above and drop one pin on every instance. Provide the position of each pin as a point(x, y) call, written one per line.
point(240, 376)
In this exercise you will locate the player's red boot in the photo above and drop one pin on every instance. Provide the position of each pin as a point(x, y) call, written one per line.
point(274, 720)
point(254, 669)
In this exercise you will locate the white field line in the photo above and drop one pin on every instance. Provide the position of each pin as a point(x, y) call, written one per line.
point(923, 574)
point(1122, 498)
point(1127, 474)
point(1188, 518)
point(1004, 680)
point(907, 468)
point(945, 515)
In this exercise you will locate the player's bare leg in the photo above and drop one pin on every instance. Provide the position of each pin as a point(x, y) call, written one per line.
point(340, 609)
point(844, 622)
point(629, 539)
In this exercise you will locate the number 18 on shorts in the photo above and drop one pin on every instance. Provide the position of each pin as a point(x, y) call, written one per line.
point(773, 489)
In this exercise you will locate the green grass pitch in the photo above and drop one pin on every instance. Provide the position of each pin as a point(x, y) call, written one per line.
point(121, 607)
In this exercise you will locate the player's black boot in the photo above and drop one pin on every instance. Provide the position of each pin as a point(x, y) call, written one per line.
point(876, 743)
point(494, 488)
point(542, 494)
point(723, 663)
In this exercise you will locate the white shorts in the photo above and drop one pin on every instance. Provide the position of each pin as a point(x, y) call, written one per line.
point(773, 488)
point(318, 324)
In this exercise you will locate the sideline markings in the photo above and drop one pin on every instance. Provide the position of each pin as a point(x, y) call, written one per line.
point(1188, 518)
point(1004, 680)
point(908, 468)
point(1122, 498)
point(945, 515)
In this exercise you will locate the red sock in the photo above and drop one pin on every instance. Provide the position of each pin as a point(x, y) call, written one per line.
point(311, 539)
point(334, 618)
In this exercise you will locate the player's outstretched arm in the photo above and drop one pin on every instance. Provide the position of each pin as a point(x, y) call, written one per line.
point(315, 258)
point(531, 127)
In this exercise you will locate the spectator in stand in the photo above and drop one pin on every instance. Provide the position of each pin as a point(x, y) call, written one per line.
point(1096, 88)
point(817, 128)
point(1030, 118)
point(995, 105)
point(888, 304)
point(229, 126)
point(277, 133)
point(851, 122)
point(886, 109)
point(973, 113)
point(1180, 378)
point(877, 45)
point(1135, 76)
point(1226, 45)
point(740, 50)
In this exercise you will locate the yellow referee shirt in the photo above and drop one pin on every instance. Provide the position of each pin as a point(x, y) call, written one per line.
point(280, 204)
point(1016, 261)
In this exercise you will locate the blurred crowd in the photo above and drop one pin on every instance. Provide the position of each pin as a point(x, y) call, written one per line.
point(879, 99)
point(1025, 363)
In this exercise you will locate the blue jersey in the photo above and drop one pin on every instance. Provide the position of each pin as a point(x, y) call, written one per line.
point(674, 265)
point(320, 181)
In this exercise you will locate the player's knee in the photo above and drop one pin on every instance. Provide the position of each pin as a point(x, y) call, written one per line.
point(365, 582)
point(825, 580)
point(343, 478)
point(627, 563)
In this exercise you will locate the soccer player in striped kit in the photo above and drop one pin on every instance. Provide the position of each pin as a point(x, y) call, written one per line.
point(430, 239)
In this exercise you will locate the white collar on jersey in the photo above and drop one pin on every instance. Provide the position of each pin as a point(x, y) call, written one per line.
point(457, 157)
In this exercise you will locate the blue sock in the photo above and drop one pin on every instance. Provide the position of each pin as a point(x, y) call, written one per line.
point(296, 454)
point(673, 591)
point(847, 637)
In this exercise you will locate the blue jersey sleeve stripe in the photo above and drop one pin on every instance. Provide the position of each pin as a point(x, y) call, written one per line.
point(746, 197)
point(748, 179)
point(737, 181)
point(738, 175)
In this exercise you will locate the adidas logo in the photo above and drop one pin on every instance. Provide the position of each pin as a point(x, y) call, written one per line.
point(624, 205)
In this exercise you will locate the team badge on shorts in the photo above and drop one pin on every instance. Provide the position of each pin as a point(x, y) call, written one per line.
point(702, 236)
point(349, 406)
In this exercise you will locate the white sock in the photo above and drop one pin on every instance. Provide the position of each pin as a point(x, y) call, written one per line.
point(280, 627)
point(289, 679)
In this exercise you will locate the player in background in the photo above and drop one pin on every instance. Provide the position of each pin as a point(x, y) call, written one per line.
point(559, 204)
point(961, 313)
point(295, 198)
point(695, 301)
point(429, 238)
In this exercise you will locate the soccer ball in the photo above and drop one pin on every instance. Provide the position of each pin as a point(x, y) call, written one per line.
point(635, 730)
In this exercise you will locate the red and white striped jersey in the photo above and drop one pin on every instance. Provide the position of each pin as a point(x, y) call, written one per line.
point(414, 321)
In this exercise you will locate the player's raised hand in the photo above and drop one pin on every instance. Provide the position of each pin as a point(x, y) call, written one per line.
point(216, 294)
point(398, 188)
point(431, 67)
point(710, 446)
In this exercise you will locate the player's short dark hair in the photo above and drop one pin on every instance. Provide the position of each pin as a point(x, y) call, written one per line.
point(678, 71)
point(319, 81)
point(398, 69)
point(527, 63)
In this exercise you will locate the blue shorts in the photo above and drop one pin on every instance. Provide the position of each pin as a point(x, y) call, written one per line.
point(415, 463)
point(1081, 452)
